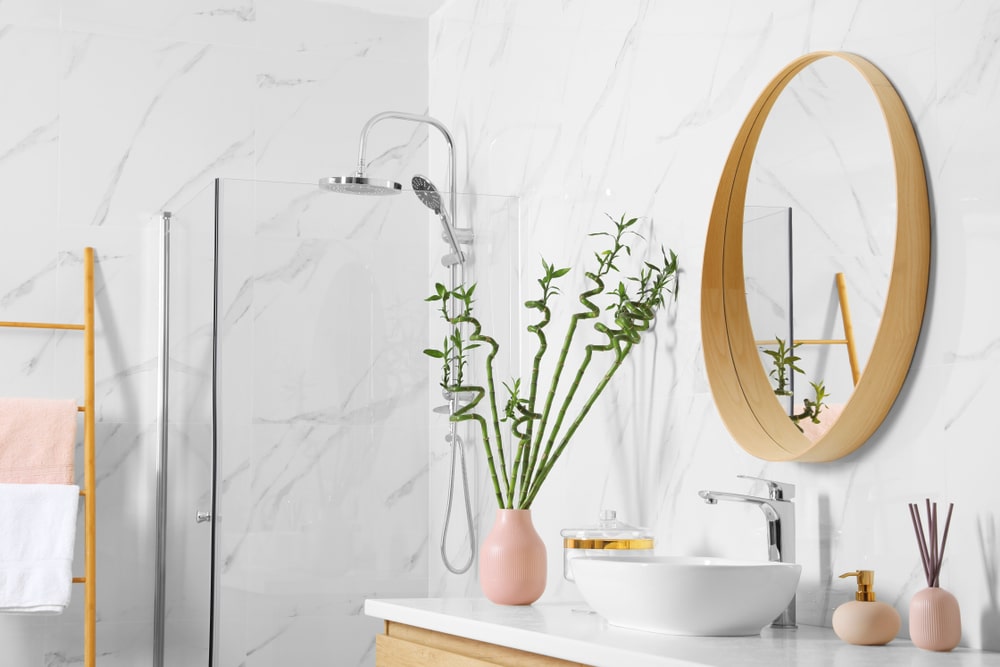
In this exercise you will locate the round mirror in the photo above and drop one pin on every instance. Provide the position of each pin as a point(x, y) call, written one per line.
point(816, 262)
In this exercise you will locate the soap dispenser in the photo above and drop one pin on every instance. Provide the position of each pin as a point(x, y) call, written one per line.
point(865, 621)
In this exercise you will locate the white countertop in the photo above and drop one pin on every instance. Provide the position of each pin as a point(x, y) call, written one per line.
point(571, 632)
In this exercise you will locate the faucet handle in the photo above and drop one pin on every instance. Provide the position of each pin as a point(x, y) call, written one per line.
point(775, 490)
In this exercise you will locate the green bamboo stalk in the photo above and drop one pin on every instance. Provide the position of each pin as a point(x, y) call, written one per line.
point(593, 311)
point(533, 382)
point(491, 389)
point(465, 413)
point(521, 440)
point(605, 263)
point(633, 318)
point(551, 273)
point(478, 336)
point(588, 354)
point(457, 417)
point(544, 471)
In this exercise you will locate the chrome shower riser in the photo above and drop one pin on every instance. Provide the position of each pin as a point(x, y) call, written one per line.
point(454, 261)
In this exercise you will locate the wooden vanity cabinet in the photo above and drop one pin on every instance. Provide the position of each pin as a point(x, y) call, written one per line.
point(408, 646)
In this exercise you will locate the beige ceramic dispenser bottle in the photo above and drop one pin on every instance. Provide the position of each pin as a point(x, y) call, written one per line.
point(865, 621)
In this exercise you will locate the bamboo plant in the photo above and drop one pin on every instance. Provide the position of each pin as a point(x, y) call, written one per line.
point(783, 366)
point(541, 429)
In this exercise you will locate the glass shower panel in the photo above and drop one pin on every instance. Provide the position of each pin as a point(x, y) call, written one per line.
point(322, 409)
point(767, 271)
point(191, 270)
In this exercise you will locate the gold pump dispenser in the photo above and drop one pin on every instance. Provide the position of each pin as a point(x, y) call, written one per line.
point(866, 584)
point(864, 620)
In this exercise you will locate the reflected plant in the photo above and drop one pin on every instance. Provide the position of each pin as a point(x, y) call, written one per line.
point(783, 361)
point(811, 408)
point(540, 430)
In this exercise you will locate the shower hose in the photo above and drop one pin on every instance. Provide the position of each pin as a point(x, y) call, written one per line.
point(457, 450)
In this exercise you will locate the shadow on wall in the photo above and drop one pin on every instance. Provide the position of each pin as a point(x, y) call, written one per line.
point(825, 521)
point(990, 623)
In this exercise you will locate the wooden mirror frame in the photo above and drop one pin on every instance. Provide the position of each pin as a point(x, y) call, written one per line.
point(739, 383)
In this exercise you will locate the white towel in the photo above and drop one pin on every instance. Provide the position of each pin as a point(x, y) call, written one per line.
point(37, 534)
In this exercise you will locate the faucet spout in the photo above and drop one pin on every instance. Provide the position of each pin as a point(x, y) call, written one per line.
point(779, 512)
point(713, 497)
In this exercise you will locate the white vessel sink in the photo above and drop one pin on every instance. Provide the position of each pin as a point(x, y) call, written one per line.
point(687, 595)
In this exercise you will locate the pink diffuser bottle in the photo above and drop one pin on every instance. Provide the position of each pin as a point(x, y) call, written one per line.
point(935, 618)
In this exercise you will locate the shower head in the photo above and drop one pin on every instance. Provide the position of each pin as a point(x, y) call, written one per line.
point(431, 198)
point(360, 185)
point(428, 194)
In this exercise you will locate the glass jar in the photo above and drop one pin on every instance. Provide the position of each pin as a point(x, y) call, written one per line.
point(609, 538)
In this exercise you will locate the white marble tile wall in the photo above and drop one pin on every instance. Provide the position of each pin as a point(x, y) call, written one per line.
point(590, 107)
point(113, 112)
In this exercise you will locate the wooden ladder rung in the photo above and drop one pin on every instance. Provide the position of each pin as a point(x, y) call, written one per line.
point(43, 325)
point(79, 580)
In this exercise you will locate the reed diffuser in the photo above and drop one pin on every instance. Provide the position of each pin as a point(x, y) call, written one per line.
point(935, 619)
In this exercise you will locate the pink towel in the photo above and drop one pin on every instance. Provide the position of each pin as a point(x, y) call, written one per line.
point(37, 438)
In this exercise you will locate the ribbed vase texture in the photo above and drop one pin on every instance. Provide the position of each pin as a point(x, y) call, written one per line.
point(512, 561)
point(935, 620)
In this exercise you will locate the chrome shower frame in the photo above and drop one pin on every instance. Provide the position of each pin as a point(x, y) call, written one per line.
point(456, 270)
point(162, 447)
point(413, 118)
point(359, 176)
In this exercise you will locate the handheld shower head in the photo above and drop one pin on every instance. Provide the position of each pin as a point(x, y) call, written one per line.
point(360, 185)
point(431, 198)
point(428, 194)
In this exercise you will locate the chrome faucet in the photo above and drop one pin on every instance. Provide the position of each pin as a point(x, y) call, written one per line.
point(780, 514)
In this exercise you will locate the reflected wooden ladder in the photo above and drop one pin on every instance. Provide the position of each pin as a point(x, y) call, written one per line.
point(89, 579)
point(848, 339)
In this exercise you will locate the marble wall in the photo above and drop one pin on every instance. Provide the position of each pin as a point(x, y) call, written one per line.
point(588, 107)
point(115, 111)
point(112, 112)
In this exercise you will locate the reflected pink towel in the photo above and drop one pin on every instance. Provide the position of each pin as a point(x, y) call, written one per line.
point(827, 418)
point(37, 437)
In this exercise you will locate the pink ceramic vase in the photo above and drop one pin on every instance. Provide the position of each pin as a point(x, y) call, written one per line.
point(512, 562)
point(935, 620)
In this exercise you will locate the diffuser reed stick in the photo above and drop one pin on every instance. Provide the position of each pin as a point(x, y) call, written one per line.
point(931, 551)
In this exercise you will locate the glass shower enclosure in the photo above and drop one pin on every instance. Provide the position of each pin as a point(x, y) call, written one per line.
point(303, 466)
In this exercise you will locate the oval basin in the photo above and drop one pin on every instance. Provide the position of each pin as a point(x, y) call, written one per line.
point(687, 595)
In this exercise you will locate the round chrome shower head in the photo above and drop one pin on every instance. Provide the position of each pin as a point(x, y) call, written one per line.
point(427, 193)
point(360, 185)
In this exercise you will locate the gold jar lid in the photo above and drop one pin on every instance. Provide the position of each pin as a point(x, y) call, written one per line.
point(576, 543)
point(609, 534)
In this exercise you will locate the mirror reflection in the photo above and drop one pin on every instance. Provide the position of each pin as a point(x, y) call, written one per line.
point(818, 234)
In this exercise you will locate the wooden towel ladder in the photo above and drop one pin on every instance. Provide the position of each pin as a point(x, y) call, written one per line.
point(89, 502)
